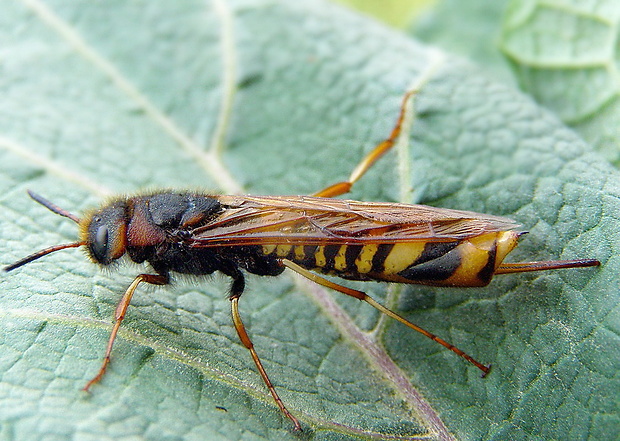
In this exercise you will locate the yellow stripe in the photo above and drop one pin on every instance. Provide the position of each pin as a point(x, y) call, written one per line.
point(319, 257)
point(340, 261)
point(364, 258)
point(473, 259)
point(268, 249)
point(300, 254)
point(402, 256)
point(283, 250)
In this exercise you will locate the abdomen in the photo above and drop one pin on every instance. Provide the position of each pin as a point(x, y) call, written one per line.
point(470, 262)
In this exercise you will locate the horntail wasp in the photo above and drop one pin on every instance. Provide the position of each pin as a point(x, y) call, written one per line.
point(199, 234)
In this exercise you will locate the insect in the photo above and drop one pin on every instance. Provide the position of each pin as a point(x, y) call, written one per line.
point(199, 234)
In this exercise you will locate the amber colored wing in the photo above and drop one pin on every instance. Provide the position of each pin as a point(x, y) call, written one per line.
point(308, 220)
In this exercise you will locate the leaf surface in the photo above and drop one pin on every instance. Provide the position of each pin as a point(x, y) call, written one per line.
point(276, 97)
point(565, 54)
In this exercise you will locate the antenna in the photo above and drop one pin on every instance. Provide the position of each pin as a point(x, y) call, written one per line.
point(56, 209)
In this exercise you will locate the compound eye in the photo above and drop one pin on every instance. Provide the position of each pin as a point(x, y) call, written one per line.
point(105, 234)
point(100, 245)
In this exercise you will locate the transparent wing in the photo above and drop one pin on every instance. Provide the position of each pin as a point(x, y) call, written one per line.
point(308, 220)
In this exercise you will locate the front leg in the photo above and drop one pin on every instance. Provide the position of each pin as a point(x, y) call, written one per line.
point(119, 315)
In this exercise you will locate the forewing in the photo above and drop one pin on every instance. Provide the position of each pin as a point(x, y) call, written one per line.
point(307, 220)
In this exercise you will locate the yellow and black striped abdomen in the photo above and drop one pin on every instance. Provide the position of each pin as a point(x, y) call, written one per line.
point(470, 262)
point(348, 261)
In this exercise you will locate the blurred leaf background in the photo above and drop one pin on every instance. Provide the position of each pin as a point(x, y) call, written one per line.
point(562, 53)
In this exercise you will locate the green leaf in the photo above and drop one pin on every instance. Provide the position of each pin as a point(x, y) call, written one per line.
point(565, 54)
point(280, 97)
point(470, 29)
point(397, 13)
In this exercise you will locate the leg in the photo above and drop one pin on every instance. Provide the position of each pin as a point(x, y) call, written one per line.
point(364, 297)
point(119, 315)
point(523, 267)
point(235, 292)
point(344, 187)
